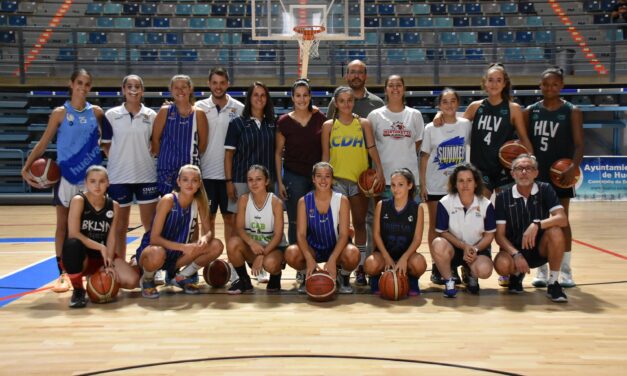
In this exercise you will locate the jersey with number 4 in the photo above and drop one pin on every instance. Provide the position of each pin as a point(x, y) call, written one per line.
point(491, 128)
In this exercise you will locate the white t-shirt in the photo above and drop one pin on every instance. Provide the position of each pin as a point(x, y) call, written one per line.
point(212, 161)
point(130, 161)
point(447, 147)
point(396, 134)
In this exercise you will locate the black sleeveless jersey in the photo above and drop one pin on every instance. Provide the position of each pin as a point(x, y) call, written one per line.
point(491, 128)
point(95, 224)
point(398, 228)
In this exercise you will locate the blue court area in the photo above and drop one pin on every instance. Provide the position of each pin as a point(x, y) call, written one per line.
point(33, 276)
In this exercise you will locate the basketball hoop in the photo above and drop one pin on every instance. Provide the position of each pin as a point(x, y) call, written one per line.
point(306, 35)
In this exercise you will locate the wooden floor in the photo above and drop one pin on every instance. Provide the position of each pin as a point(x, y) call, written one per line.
point(357, 334)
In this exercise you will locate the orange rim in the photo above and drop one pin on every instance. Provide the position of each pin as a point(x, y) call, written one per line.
point(308, 31)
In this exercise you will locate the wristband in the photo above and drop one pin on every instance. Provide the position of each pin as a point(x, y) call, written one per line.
point(516, 254)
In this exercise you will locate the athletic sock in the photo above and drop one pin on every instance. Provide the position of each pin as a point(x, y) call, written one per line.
point(345, 272)
point(241, 272)
point(148, 276)
point(60, 265)
point(553, 276)
point(362, 253)
point(189, 270)
point(77, 280)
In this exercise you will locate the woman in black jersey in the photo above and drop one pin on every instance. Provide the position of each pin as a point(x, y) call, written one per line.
point(397, 231)
point(90, 245)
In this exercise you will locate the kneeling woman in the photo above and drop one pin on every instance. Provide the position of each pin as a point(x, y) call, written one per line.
point(259, 228)
point(466, 225)
point(322, 232)
point(92, 221)
point(397, 230)
point(174, 240)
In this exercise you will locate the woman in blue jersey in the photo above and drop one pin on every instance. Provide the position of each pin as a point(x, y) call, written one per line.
point(179, 134)
point(91, 242)
point(126, 132)
point(397, 232)
point(76, 126)
point(322, 232)
point(259, 238)
point(176, 240)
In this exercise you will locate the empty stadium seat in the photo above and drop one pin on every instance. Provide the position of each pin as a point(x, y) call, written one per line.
point(247, 55)
point(425, 22)
point(461, 21)
point(112, 9)
point(534, 54)
point(474, 54)
point(442, 22)
point(167, 55)
point(449, 38)
point(479, 21)
point(524, 36)
point(386, 9)
point(513, 54)
point(234, 23)
point(154, 38)
point(238, 10)
point(392, 38)
point(17, 21)
point(7, 36)
point(473, 8)
point(485, 37)
point(509, 8)
point(505, 37)
point(404, 9)
point(389, 22)
point(130, 9)
point(183, 10)
point(267, 55)
point(395, 55)
point(455, 8)
point(411, 38)
point(148, 55)
point(123, 22)
point(164, 9)
point(161, 22)
point(602, 18)
point(66, 54)
point(468, 37)
point(108, 54)
point(455, 54)
point(8, 6)
point(526, 8)
point(105, 22)
point(534, 21)
point(148, 9)
point(438, 9)
point(545, 36)
point(94, 9)
point(97, 38)
point(136, 38)
point(372, 22)
point(218, 9)
point(172, 38)
point(415, 54)
point(371, 9)
point(201, 9)
point(497, 21)
point(422, 9)
point(407, 21)
point(592, 6)
point(143, 22)
point(357, 55)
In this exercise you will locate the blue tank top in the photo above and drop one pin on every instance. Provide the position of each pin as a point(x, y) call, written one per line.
point(322, 228)
point(78, 142)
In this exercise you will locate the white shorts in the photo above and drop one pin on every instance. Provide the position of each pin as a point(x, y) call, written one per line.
point(240, 188)
point(64, 191)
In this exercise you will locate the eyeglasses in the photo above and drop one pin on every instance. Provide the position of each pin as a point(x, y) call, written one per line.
point(356, 73)
point(523, 169)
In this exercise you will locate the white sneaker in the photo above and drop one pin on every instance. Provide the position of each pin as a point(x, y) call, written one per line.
point(263, 277)
point(343, 284)
point(542, 276)
point(566, 273)
point(160, 277)
point(234, 276)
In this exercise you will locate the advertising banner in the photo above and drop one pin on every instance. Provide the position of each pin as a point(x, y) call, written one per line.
point(603, 178)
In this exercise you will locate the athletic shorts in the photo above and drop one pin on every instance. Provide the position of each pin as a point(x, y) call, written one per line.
point(533, 257)
point(346, 187)
point(563, 192)
point(216, 193)
point(64, 191)
point(436, 198)
point(171, 256)
point(458, 257)
point(496, 179)
point(241, 189)
point(144, 193)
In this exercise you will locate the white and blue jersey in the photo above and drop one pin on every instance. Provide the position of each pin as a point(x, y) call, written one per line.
point(466, 224)
point(78, 142)
point(179, 146)
point(322, 229)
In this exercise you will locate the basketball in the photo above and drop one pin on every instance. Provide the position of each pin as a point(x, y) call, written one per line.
point(217, 273)
point(320, 286)
point(367, 181)
point(393, 286)
point(102, 287)
point(45, 171)
point(509, 151)
point(560, 166)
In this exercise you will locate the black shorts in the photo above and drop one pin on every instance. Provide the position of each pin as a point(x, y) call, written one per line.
point(435, 198)
point(458, 258)
point(496, 179)
point(216, 192)
point(533, 257)
point(563, 192)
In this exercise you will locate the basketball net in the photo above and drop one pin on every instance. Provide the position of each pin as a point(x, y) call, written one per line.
point(308, 43)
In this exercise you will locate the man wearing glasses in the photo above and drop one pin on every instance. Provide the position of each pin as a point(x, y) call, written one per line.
point(365, 101)
point(529, 221)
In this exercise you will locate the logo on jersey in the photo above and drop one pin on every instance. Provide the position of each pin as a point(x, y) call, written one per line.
point(70, 119)
point(109, 214)
point(450, 153)
point(410, 218)
point(397, 131)
point(348, 141)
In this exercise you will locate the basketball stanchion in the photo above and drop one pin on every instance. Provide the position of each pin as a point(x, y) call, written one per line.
point(306, 35)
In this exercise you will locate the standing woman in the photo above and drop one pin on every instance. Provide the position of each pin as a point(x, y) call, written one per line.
point(259, 238)
point(126, 132)
point(556, 128)
point(322, 231)
point(398, 224)
point(179, 134)
point(298, 148)
point(76, 125)
point(466, 225)
point(91, 242)
point(347, 141)
point(176, 240)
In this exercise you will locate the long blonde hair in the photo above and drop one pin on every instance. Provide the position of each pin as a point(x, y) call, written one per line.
point(201, 195)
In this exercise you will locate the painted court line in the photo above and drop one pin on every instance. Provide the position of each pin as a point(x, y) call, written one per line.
point(600, 249)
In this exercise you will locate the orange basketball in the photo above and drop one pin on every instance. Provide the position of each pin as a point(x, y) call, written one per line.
point(217, 273)
point(367, 181)
point(45, 171)
point(560, 166)
point(102, 287)
point(509, 151)
point(320, 286)
point(393, 286)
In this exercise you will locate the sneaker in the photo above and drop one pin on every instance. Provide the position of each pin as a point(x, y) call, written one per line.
point(566, 277)
point(149, 289)
point(542, 276)
point(465, 274)
point(515, 284)
point(449, 288)
point(274, 284)
point(241, 286)
point(300, 277)
point(455, 276)
point(436, 277)
point(263, 276)
point(472, 286)
point(556, 293)
point(62, 284)
point(161, 277)
point(185, 283)
point(302, 289)
point(344, 284)
point(78, 299)
point(360, 277)
point(234, 275)
point(414, 287)
point(374, 285)
point(503, 281)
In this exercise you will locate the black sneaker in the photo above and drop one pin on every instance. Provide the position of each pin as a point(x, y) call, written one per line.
point(436, 277)
point(472, 286)
point(360, 276)
point(556, 293)
point(78, 299)
point(465, 274)
point(515, 284)
point(241, 286)
point(274, 284)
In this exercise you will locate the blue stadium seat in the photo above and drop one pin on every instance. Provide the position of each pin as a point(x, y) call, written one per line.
point(237, 10)
point(534, 54)
point(392, 38)
point(485, 37)
point(524, 36)
point(526, 8)
point(598, 18)
point(216, 23)
point(8, 6)
point(425, 22)
point(615, 37)
point(188, 55)
point(456, 8)
point(97, 37)
point(130, 9)
point(438, 9)
point(545, 36)
point(148, 55)
point(371, 22)
point(154, 38)
point(513, 54)
point(148, 9)
point(247, 55)
point(474, 54)
point(468, 37)
point(505, 37)
point(108, 54)
point(247, 38)
point(94, 9)
point(212, 39)
point(143, 22)
point(608, 5)
point(422, 9)
point(407, 21)
point(415, 54)
point(461, 21)
point(411, 38)
point(357, 55)
point(473, 8)
point(447, 37)
point(234, 23)
point(105, 22)
point(219, 9)
point(3, 19)
point(17, 21)
point(434, 54)
point(81, 38)
point(162, 22)
point(455, 54)
point(167, 55)
point(112, 9)
point(443, 22)
point(389, 22)
point(387, 10)
point(592, 6)
point(66, 54)
point(509, 8)
point(123, 22)
point(534, 21)
point(201, 10)
point(183, 10)
point(479, 21)
point(371, 9)
point(371, 38)
point(7, 37)
point(136, 38)
point(497, 21)
point(267, 55)
point(339, 54)
point(172, 38)
point(396, 55)
point(234, 39)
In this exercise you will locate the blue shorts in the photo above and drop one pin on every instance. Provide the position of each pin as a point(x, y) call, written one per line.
point(144, 193)
point(171, 256)
point(322, 255)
